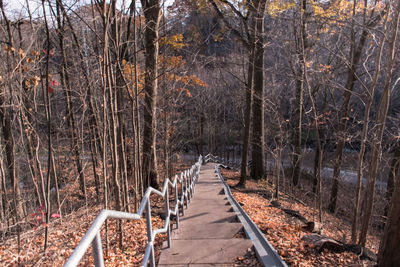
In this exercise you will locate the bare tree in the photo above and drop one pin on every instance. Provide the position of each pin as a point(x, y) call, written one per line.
point(152, 15)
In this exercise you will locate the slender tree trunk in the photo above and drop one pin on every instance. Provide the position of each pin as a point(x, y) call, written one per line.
point(258, 142)
point(394, 171)
point(370, 94)
point(26, 123)
point(8, 138)
point(380, 127)
point(136, 120)
point(317, 158)
point(151, 9)
point(355, 55)
point(47, 101)
point(93, 118)
point(247, 119)
point(389, 255)
point(297, 131)
point(72, 130)
point(301, 44)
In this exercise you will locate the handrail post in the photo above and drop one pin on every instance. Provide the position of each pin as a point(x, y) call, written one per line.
point(183, 194)
point(186, 201)
point(97, 251)
point(187, 187)
point(190, 183)
point(193, 179)
point(176, 201)
point(167, 215)
point(150, 233)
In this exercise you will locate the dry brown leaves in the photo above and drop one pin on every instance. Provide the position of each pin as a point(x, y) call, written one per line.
point(284, 234)
point(65, 234)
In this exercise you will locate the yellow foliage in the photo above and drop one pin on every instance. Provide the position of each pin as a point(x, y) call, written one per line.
point(31, 82)
point(219, 37)
point(191, 80)
point(174, 41)
point(276, 7)
point(129, 75)
point(338, 10)
point(185, 91)
point(172, 62)
point(8, 49)
point(35, 54)
point(21, 52)
point(325, 68)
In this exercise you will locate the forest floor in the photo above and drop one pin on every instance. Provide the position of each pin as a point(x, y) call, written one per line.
point(286, 232)
point(66, 232)
point(283, 231)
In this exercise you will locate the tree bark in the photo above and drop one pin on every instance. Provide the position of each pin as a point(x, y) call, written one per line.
point(355, 55)
point(380, 127)
point(247, 120)
point(389, 255)
point(258, 142)
point(72, 130)
point(301, 44)
point(151, 9)
point(8, 138)
point(394, 171)
point(370, 94)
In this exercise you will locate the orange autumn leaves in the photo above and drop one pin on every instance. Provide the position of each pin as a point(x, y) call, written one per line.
point(286, 237)
point(169, 66)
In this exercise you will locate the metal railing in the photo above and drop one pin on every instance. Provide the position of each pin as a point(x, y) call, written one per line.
point(265, 252)
point(227, 163)
point(92, 237)
point(212, 158)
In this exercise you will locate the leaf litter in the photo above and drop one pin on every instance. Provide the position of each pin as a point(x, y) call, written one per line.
point(285, 233)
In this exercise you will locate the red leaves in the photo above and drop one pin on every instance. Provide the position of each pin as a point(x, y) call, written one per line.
point(55, 215)
point(52, 83)
point(52, 52)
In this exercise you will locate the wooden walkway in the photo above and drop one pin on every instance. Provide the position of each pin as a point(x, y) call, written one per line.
point(206, 234)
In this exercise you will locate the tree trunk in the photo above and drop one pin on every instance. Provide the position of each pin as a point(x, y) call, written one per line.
point(355, 54)
point(296, 135)
point(394, 171)
point(380, 127)
point(247, 119)
point(151, 9)
point(8, 138)
point(370, 93)
point(389, 255)
point(258, 142)
point(317, 157)
point(72, 131)
point(301, 47)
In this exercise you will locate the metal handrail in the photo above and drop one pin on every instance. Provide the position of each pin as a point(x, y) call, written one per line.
point(266, 253)
point(211, 158)
point(92, 237)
